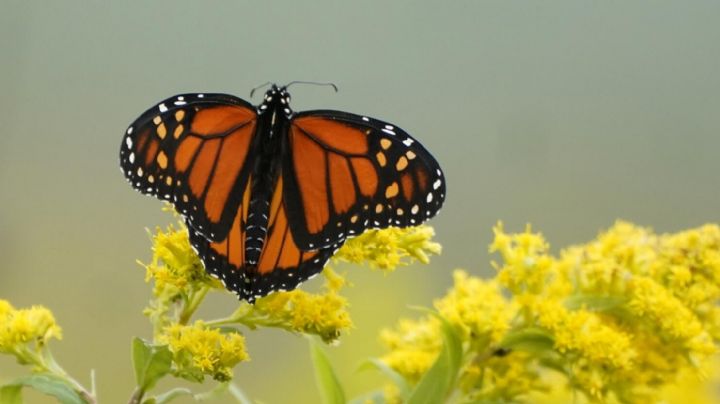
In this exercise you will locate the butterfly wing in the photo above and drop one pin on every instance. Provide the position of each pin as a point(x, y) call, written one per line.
point(193, 150)
point(345, 173)
point(282, 265)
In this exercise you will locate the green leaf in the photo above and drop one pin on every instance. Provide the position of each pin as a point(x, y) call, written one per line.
point(151, 362)
point(397, 378)
point(169, 396)
point(11, 394)
point(436, 385)
point(238, 394)
point(328, 383)
point(373, 397)
point(595, 302)
point(43, 382)
point(533, 340)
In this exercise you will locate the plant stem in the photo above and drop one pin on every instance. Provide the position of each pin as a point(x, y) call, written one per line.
point(192, 305)
point(137, 396)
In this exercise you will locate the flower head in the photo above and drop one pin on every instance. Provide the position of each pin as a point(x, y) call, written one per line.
point(22, 326)
point(199, 350)
point(387, 249)
point(324, 314)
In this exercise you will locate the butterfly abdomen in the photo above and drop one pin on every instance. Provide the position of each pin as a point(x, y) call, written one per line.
point(259, 209)
point(256, 230)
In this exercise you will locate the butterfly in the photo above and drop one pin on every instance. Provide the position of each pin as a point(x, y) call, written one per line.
point(269, 194)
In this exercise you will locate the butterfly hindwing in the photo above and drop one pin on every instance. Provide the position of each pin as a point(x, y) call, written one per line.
point(194, 150)
point(346, 173)
point(281, 264)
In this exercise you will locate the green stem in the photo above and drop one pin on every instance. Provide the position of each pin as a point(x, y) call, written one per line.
point(137, 396)
point(57, 370)
point(193, 304)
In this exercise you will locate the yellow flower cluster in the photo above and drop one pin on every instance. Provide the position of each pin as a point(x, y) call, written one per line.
point(390, 248)
point(175, 267)
point(323, 314)
point(19, 327)
point(199, 350)
point(619, 318)
point(180, 282)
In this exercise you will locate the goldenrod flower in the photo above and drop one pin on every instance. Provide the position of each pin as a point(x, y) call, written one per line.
point(413, 346)
point(387, 249)
point(22, 326)
point(199, 350)
point(621, 316)
point(175, 267)
point(477, 308)
point(324, 314)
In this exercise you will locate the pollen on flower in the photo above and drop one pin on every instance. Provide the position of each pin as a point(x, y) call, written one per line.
point(21, 326)
point(175, 267)
point(619, 317)
point(388, 249)
point(199, 350)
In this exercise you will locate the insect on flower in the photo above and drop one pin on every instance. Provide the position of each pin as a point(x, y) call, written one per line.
point(269, 194)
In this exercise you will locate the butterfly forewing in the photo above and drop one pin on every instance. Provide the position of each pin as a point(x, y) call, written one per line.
point(194, 150)
point(346, 173)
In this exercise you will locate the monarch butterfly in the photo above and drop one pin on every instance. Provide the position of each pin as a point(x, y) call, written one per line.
point(268, 194)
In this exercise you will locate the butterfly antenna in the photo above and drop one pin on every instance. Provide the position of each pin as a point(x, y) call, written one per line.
point(315, 83)
point(259, 87)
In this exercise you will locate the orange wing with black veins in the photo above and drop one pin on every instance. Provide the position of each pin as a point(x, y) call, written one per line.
point(282, 265)
point(195, 151)
point(345, 173)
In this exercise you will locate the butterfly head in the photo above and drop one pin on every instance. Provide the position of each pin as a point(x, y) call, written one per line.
point(276, 99)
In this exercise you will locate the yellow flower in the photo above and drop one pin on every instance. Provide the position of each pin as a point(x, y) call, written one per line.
point(324, 314)
point(387, 249)
point(477, 308)
point(413, 346)
point(21, 326)
point(199, 350)
point(175, 267)
point(619, 317)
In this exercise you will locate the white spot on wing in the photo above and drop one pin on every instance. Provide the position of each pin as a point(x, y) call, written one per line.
point(407, 142)
point(130, 129)
point(131, 158)
point(429, 197)
point(162, 108)
point(365, 119)
point(128, 142)
point(437, 184)
point(389, 132)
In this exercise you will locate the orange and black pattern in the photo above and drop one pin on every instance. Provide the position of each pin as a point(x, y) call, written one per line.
point(193, 150)
point(350, 173)
point(269, 195)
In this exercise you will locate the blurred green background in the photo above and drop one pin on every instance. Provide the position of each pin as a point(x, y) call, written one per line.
point(568, 115)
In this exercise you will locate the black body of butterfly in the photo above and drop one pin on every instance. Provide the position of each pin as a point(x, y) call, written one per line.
point(269, 194)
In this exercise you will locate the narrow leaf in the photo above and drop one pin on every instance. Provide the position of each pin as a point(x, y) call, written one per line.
point(594, 302)
point(373, 397)
point(328, 383)
point(169, 395)
point(397, 378)
point(11, 394)
point(44, 383)
point(238, 394)
point(435, 386)
point(151, 362)
point(533, 340)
